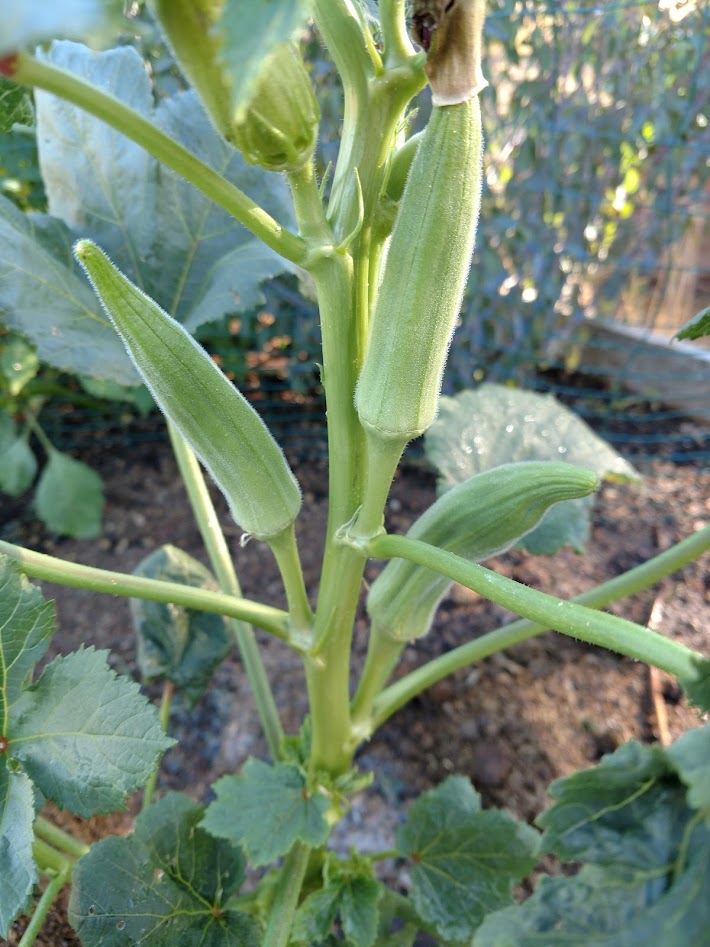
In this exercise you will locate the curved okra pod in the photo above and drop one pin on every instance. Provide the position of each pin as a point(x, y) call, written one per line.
point(477, 519)
point(216, 420)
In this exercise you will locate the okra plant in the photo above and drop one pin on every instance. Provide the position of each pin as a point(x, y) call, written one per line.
point(149, 201)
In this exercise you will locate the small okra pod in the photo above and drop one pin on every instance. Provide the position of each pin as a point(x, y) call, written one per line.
point(425, 274)
point(215, 419)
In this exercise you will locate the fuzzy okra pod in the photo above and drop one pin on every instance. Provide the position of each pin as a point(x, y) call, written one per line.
point(216, 420)
point(425, 274)
point(477, 519)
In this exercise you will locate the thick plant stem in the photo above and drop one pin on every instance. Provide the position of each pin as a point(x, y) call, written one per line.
point(631, 582)
point(41, 75)
point(165, 706)
point(50, 569)
point(60, 839)
point(221, 562)
point(43, 906)
point(278, 929)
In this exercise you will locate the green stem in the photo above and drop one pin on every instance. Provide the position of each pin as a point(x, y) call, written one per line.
point(383, 456)
point(49, 859)
point(383, 653)
point(57, 837)
point(221, 561)
point(278, 929)
point(41, 75)
point(50, 569)
point(398, 48)
point(166, 703)
point(38, 432)
point(39, 916)
point(631, 582)
point(285, 552)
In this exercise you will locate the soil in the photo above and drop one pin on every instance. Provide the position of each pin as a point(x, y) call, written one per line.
point(512, 724)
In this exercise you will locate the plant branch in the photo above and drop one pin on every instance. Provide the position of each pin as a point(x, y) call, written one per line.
point(631, 582)
point(278, 929)
point(50, 569)
point(578, 621)
point(49, 896)
point(42, 75)
point(398, 47)
point(221, 561)
point(166, 704)
point(53, 835)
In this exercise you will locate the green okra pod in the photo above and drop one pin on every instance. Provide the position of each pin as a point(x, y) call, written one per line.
point(479, 518)
point(216, 420)
point(424, 278)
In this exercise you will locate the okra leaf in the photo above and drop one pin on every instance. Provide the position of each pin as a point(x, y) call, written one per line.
point(189, 255)
point(26, 625)
point(252, 29)
point(33, 21)
point(690, 757)
point(294, 812)
point(98, 181)
point(351, 893)
point(463, 861)
point(217, 264)
point(696, 327)
point(70, 497)
point(17, 866)
point(179, 644)
point(623, 812)
point(647, 848)
point(18, 467)
point(18, 363)
point(85, 736)
point(166, 884)
point(494, 425)
point(698, 689)
point(15, 105)
point(43, 297)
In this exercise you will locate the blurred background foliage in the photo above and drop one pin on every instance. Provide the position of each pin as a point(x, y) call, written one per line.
point(596, 211)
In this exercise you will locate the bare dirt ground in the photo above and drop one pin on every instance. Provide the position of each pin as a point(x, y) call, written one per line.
point(549, 706)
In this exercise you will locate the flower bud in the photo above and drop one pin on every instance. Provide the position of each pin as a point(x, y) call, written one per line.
point(280, 125)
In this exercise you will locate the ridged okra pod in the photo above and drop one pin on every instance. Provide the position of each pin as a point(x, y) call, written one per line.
point(215, 419)
point(477, 519)
point(425, 274)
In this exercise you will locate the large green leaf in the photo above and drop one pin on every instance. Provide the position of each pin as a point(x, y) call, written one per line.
point(85, 736)
point(266, 810)
point(495, 425)
point(463, 860)
point(175, 643)
point(647, 848)
point(26, 625)
point(70, 497)
point(252, 29)
point(690, 757)
point(164, 234)
point(33, 21)
point(43, 297)
point(17, 867)
point(98, 182)
point(163, 886)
